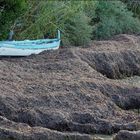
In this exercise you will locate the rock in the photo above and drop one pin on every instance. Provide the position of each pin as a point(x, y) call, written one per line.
point(127, 135)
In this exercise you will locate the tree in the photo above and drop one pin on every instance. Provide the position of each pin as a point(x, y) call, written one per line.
point(46, 17)
point(9, 11)
point(134, 6)
point(113, 17)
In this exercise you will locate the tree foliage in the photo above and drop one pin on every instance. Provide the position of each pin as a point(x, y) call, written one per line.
point(113, 17)
point(48, 16)
point(133, 5)
point(9, 11)
point(78, 21)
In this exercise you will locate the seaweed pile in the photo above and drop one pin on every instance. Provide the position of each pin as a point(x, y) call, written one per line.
point(71, 92)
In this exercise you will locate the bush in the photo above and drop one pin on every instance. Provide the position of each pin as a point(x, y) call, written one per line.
point(134, 6)
point(78, 21)
point(47, 17)
point(112, 17)
point(9, 11)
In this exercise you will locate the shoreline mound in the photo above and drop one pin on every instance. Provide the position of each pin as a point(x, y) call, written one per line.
point(127, 135)
point(71, 91)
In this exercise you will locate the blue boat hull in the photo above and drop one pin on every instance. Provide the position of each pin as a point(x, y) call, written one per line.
point(26, 50)
point(28, 47)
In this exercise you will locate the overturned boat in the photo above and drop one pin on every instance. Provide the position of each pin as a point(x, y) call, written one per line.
point(28, 47)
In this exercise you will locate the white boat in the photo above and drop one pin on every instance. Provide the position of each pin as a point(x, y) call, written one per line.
point(28, 47)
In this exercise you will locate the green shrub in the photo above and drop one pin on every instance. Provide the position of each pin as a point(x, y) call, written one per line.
point(10, 10)
point(47, 17)
point(134, 6)
point(78, 21)
point(112, 17)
